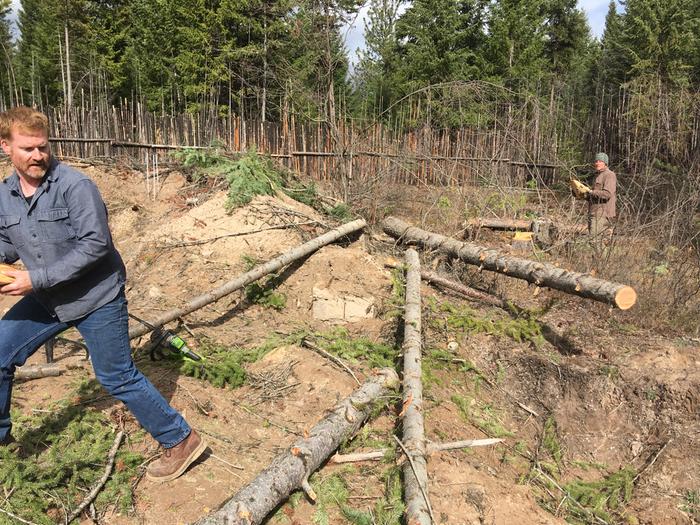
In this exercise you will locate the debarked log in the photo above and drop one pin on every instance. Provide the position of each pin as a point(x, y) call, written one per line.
point(253, 275)
point(291, 469)
point(415, 470)
point(541, 274)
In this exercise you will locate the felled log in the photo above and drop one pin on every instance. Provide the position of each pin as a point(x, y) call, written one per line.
point(415, 471)
point(245, 279)
point(538, 273)
point(290, 470)
point(38, 371)
point(501, 224)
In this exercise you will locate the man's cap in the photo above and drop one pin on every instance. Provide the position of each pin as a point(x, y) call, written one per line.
point(602, 156)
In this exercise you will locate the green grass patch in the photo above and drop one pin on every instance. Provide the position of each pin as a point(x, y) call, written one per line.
point(223, 365)
point(603, 499)
point(483, 416)
point(550, 444)
point(449, 318)
point(65, 453)
point(387, 511)
point(355, 349)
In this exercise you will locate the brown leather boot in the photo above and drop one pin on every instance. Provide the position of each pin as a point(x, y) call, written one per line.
point(175, 460)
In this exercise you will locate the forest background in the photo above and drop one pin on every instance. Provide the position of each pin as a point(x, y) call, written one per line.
point(482, 84)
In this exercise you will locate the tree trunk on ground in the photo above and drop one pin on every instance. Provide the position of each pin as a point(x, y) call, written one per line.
point(501, 224)
point(251, 276)
point(541, 274)
point(290, 470)
point(415, 472)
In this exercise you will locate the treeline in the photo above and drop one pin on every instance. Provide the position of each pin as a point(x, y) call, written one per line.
point(258, 57)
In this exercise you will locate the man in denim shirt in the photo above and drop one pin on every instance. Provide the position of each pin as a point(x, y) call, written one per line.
point(52, 217)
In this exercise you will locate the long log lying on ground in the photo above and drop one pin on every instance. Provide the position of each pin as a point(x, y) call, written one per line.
point(256, 273)
point(415, 471)
point(501, 224)
point(541, 274)
point(290, 470)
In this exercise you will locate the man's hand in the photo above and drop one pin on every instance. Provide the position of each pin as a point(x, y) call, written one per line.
point(22, 285)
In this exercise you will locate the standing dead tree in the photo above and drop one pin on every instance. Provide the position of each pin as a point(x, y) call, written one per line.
point(291, 469)
point(415, 471)
point(541, 274)
point(256, 273)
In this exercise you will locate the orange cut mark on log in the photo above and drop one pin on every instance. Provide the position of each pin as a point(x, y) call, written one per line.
point(407, 403)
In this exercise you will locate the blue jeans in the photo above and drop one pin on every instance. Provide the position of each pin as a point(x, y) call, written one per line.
point(27, 326)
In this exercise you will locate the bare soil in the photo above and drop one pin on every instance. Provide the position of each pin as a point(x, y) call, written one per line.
point(619, 395)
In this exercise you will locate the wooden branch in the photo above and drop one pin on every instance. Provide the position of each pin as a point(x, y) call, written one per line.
point(38, 371)
point(15, 517)
point(431, 448)
point(467, 291)
point(540, 274)
point(415, 473)
point(311, 346)
point(237, 234)
point(467, 443)
point(256, 273)
point(291, 469)
point(101, 482)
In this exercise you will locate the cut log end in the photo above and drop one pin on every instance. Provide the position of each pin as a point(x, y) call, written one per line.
point(625, 298)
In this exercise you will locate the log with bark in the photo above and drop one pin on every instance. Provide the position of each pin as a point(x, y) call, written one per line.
point(538, 273)
point(38, 371)
point(245, 279)
point(415, 471)
point(290, 470)
point(501, 224)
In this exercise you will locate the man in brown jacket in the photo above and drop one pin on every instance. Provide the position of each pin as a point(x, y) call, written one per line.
point(601, 200)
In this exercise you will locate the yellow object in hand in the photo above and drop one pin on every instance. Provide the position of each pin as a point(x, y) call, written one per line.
point(579, 189)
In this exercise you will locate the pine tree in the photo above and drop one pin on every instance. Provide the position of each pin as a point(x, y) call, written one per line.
point(516, 42)
point(252, 36)
point(567, 36)
point(613, 63)
point(440, 41)
point(373, 87)
point(9, 95)
point(661, 39)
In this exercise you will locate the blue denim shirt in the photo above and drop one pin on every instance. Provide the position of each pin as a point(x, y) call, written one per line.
point(63, 238)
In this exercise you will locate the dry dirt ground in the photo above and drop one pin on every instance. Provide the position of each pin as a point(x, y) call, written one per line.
point(615, 394)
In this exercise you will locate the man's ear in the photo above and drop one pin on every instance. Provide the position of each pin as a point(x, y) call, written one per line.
point(5, 146)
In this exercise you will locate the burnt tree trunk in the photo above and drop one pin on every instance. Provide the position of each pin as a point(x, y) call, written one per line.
point(290, 470)
point(541, 274)
point(415, 471)
point(256, 273)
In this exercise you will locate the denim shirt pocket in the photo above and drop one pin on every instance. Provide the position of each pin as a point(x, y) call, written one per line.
point(10, 226)
point(55, 225)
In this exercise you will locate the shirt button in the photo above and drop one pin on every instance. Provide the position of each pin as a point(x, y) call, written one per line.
point(34, 235)
point(38, 256)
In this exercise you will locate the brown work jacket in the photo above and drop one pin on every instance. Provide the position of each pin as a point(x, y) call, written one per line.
point(602, 198)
